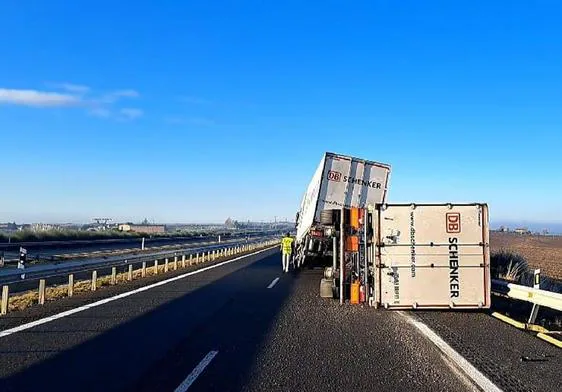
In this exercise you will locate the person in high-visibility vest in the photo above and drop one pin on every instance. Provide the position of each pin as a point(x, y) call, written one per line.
point(287, 251)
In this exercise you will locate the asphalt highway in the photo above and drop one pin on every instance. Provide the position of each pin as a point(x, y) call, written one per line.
point(245, 326)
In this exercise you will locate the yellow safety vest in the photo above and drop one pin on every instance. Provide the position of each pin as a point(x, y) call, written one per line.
point(286, 243)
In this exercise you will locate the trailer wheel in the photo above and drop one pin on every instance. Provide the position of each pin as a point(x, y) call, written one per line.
point(335, 291)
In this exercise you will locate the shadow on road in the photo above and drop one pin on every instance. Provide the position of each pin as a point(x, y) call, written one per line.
point(155, 338)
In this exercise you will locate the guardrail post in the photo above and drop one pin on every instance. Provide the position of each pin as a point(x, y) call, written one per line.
point(94, 280)
point(5, 298)
point(143, 270)
point(183, 261)
point(536, 285)
point(130, 274)
point(190, 262)
point(166, 265)
point(113, 275)
point(70, 285)
point(41, 292)
point(155, 266)
point(175, 263)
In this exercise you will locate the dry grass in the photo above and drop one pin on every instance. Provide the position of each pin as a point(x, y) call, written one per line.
point(539, 251)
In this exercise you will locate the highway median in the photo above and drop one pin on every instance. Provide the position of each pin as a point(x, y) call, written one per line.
point(53, 286)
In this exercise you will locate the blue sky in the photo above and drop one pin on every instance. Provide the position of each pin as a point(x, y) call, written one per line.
point(185, 111)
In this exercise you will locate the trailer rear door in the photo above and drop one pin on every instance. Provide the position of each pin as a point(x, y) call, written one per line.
point(352, 182)
point(433, 256)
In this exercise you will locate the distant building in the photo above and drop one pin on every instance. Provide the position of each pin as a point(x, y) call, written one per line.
point(43, 227)
point(149, 229)
point(522, 230)
point(8, 227)
point(230, 224)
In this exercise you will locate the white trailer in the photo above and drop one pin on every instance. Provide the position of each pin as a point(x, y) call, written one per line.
point(432, 256)
point(339, 182)
point(412, 256)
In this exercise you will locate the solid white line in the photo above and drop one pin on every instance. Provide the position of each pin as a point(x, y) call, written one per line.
point(45, 320)
point(474, 374)
point(184, 386)
point(273, 283)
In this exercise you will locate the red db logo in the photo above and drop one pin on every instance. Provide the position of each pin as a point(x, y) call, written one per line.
point(334, 176)
point(453, 222)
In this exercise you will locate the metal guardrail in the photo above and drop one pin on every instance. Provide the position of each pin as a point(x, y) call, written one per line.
point(172, 260)
point(44, 271)
point(34, 260)
point(529, 294)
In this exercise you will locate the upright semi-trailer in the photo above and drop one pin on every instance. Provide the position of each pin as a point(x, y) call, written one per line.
point(339, 182)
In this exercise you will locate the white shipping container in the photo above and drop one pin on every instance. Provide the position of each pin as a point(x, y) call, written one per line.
point(342, 181)
point(432, 256)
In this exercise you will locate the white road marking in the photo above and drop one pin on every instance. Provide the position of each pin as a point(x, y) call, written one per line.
point(184, 386)
point(45, 320)
point(474, 374)
point(273, 283)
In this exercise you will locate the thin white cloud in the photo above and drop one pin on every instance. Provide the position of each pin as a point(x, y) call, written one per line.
point(201, 121)
point(72, 88)
point(100, 112)
point(75, 95)
point(131, 113)
point(197, 121)
point(195, 100)
point(126, 93)
point(37, 98)
point(116, 95)
point(175, 120)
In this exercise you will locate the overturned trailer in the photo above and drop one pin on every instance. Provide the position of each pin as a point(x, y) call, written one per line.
point(406, 256)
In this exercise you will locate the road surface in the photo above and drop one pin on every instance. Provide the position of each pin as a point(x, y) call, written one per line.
point(244, 326)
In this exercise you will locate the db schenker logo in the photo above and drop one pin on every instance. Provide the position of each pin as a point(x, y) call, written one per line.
point(334, 176)
point(453, 222)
